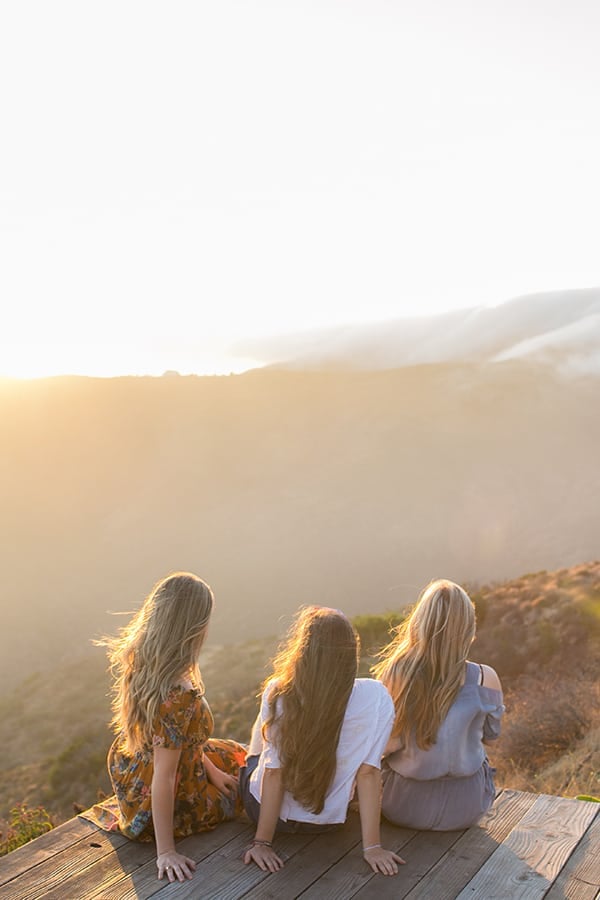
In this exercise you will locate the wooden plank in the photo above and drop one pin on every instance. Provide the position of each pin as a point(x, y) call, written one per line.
point(421, 853)
point(101, 875)
point(143, 882)
point(449, 875)
point(223, 875)
point(551, 848)
point(53, 870)
point(346, 878)
point(580, 878)
point(47, 845)
point(309, 864)
point(527, 863)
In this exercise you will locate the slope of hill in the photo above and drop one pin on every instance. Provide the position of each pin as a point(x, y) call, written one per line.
point(350, 488)
point(539, 631)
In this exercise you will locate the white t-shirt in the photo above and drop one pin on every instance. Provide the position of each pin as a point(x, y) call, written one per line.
point(365, 731)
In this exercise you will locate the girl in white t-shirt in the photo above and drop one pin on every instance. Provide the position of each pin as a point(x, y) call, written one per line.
point(320, 732)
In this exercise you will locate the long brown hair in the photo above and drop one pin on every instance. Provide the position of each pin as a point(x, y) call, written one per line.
point(155, 651)
point(313, 676)
point(423, 667)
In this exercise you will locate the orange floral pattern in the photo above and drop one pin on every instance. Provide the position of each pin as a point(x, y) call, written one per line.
point(184, 721)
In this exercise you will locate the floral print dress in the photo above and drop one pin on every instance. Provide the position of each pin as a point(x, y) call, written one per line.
point(185, 722)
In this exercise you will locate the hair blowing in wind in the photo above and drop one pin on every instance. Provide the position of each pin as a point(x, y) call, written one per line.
point(158, 647)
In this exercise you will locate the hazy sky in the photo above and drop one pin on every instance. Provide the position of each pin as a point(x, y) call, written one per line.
point(176, 176)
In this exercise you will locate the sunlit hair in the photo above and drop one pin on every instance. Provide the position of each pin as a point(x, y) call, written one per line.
point(423, 667)
point(158, 648)
point(313, 676)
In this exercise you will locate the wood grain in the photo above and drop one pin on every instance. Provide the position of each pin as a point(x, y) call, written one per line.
point(526, 864)
point(580, 878)
point(449, 875)
point(528, 846)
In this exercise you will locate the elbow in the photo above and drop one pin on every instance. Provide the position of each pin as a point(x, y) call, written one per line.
point(368, 773)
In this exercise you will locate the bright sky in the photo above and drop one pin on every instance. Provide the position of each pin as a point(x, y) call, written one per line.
point(175, 176)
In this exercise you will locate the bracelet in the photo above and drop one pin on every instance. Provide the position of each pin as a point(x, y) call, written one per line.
point(372, 847)
point(263, 843)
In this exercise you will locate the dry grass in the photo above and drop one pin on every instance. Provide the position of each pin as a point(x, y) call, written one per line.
point(539, 631)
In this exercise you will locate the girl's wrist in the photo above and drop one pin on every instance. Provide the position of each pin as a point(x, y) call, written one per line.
point(371, 847)
point(262, 843)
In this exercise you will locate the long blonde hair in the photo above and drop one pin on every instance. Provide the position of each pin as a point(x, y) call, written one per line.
point(157, 649)
point(423, 667)
point(313, 676)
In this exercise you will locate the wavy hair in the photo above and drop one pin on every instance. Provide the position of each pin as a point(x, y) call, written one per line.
point(151, 654)
point(313, 676)
point(423, 666)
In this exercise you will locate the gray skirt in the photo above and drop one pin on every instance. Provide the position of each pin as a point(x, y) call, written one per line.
point(442, 804)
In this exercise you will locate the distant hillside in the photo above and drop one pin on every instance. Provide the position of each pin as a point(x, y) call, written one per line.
point(349, 488)
point(540, 631)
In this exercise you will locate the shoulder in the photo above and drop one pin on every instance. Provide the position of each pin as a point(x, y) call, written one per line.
point(490, 678)
point(268, 692)
point(269, 687)
point(182, 699)
point(372, 692)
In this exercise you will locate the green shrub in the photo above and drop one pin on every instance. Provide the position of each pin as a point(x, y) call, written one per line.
point(375, 630)
point(25, 825)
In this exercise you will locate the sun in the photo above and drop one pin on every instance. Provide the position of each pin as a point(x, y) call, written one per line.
point(45, 360)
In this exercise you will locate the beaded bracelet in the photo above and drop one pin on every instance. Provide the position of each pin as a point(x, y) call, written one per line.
point(263, 843)
point(372, 847)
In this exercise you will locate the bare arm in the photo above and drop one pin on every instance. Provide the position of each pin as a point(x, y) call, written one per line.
point(394, 743)
point(490, 678)
point(493, 720)
point(368, 787)
point(262, 852)
point(174, 865)
point(224, 782)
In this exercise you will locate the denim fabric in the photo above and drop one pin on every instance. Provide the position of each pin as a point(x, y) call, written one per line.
point(252, 806)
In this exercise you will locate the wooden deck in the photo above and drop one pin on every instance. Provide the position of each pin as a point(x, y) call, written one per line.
point(529, 846)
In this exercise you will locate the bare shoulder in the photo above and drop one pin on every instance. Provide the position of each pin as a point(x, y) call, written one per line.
point(490, 678)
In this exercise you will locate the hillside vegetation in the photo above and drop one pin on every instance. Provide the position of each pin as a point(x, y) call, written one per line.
point(539, 631)
point(348, 488)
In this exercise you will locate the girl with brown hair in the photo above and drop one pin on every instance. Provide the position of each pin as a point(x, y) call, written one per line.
point(436, 775)
point(169, 777)
point(320, 732)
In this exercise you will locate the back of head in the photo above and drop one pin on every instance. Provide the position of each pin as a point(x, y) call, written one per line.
point(423, 667)
point(314, 675)
point(158, 648)
point(170, 627)
point(442, 623)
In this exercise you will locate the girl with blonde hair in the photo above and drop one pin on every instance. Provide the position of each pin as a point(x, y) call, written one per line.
point(320, 732)
point(170, 779)
point(436, 775)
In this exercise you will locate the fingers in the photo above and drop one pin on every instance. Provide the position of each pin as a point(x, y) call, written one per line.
point(385, 868)
point(384, 861)
point(228, 784)
point(176, 867)
point(178, 872)
point(264, 857)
